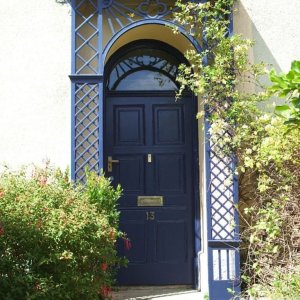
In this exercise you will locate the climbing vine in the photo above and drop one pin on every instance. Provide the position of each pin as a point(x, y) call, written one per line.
point(268, 152)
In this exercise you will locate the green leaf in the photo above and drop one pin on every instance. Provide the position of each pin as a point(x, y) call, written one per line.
point(283, 93)
point(296, 66)
point(296, 102)
point(290, 75)
point(283, 111)
point(292, 121)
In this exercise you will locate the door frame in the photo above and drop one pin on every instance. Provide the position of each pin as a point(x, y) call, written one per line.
point(145, 43)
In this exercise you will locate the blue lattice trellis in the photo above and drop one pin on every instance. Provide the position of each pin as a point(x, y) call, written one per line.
point(221, 191)
point(86, 37)
point(87, 84)
point(86, 129)
point(223, 230)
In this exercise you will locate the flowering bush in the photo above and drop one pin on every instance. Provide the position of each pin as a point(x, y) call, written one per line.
point(57, 238)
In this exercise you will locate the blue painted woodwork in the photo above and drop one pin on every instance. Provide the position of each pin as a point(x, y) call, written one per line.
point(87, 87)
point(120, 14)
point(163, 248)
point(222, 226)
point(138, 123)
point(89, 50)
point(223, 219)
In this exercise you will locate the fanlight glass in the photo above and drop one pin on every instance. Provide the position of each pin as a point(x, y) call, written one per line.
point(144, 70)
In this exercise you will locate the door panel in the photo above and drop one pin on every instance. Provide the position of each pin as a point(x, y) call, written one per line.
point(170, 173)
point(129, 125)
point(168, 126)
point(137, 229)
point(130, 172)
point(165, 232)
point(162, 237)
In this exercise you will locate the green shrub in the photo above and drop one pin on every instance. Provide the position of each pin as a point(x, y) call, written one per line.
point(288, 86)
point(57, 239)
point(285, 285)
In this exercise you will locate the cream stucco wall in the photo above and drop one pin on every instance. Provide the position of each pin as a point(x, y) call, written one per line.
point(34, 84)
point(274, 26)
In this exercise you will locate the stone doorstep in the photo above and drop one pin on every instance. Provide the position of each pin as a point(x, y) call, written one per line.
point(156, 292)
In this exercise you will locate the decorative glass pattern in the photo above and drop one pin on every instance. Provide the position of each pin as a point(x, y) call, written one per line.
point(86, 129)
point(144, 69)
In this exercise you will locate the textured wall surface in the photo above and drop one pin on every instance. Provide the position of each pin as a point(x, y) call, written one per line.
point(274, 26)
point(34, 84)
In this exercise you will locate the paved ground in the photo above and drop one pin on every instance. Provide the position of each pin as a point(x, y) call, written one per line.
point(157, 293)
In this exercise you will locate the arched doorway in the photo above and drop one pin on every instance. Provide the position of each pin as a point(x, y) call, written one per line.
point(100, 29)
point(150, 148)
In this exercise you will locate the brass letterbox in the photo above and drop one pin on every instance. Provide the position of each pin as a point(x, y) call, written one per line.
point(150, 201)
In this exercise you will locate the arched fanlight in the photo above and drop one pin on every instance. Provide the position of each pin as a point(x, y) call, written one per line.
point(144, 69)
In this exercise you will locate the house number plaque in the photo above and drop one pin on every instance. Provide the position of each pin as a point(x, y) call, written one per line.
point(150, 215)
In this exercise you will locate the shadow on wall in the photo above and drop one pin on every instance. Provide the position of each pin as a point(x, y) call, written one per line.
point(262, 52)
point(245, 26)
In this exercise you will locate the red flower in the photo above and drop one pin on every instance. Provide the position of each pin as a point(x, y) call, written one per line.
point(1, 194)
point(104, 266)
point(1, 230)
point(127, 244)
point(105, 291)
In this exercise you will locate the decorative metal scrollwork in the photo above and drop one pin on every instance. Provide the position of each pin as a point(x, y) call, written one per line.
point(107, 3)
point(118, 14)
point(152, 8)
point(158, 63)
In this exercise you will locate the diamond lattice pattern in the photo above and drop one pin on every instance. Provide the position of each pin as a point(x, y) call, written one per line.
point(221, 189)
point(86, 37)
point(86, 129)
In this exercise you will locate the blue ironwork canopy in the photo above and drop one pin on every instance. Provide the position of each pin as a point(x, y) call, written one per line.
point(96, 25)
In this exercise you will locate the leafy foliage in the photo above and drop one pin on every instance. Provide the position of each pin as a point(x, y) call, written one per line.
point(269, 182)
point(268, 153)
point(57, 239)
point(288, 86)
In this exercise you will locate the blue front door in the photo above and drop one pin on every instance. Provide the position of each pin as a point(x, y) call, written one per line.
point(149, 139)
